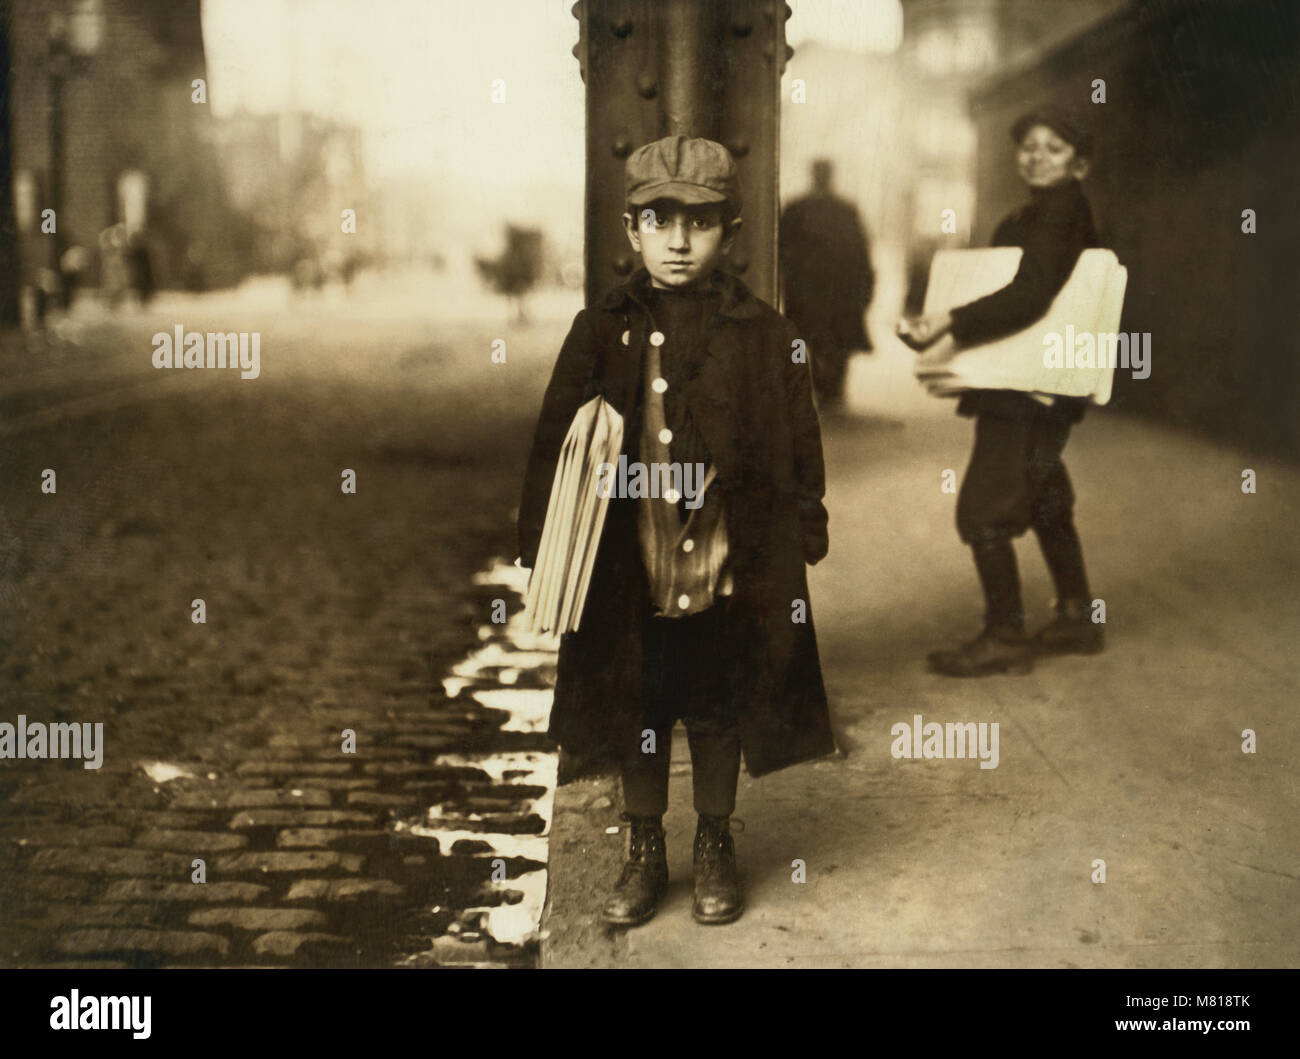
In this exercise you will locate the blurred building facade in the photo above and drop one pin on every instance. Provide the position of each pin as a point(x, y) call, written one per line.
point(105, 131)
point(1201, 122)
point(294, 174)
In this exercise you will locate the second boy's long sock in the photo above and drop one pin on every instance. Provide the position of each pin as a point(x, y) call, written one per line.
point(1064, 556)
point(995, 560)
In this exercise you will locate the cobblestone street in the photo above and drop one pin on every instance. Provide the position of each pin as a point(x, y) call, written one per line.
point(325, 611)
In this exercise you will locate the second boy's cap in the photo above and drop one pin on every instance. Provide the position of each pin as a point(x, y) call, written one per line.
point(693, 171)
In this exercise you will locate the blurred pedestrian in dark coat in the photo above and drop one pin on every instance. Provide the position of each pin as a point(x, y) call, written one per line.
point(826, 266)
point(139, 266)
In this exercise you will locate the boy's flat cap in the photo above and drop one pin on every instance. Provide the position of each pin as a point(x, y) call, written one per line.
point(693, 171)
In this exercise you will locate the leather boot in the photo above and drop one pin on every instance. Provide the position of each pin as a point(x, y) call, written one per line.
point(1002, 647)
point(717, 883)
point(998, 649)
point(1072, 632)
point(644, 879)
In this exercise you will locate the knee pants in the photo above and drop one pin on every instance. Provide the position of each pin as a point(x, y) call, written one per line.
point(685, 680)
point(1015, 479)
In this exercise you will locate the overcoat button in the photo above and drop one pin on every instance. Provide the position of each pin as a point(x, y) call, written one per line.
point(665, 435)
point(672, 495)
point(656, 338)
point(683, 601)
point(688, 545)
point(659, 385)
point(626, 338)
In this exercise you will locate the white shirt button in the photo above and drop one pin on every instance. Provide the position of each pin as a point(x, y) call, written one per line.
point(672, 495)
point(688, 545)
point(656, 338)
point(665, 435)
point(659, 385)
point(626, 338)
point(683, 601)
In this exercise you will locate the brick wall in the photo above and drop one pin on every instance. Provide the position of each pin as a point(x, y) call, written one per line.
point(128, 106)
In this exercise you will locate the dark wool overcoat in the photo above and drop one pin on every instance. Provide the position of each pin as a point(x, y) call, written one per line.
point(750, 399)
point(826, 264)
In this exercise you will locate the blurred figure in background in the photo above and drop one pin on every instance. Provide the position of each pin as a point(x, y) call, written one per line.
point(307, 272)
point(194, 275)
point(74, 267)
point(826, 266)
point(351, 263)
point(139, 266)
point(516, 270)
point(114, 271)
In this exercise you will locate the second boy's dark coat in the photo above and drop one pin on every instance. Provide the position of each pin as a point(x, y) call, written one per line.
point(752, 405)
point(1016, 478)
point(1054, 228)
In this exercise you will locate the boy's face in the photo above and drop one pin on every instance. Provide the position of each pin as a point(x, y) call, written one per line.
point(680, 245)
point(1045, 160)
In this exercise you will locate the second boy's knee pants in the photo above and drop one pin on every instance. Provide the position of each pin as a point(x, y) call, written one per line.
point(1015, 478)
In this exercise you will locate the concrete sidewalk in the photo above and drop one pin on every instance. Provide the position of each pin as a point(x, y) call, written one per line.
point(1133, 757)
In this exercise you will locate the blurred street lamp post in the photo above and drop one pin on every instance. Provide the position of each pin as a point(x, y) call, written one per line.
point(75, 34)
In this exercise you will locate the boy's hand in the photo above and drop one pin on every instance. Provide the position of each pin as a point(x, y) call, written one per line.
point(922, 331)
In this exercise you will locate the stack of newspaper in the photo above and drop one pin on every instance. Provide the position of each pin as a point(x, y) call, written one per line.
point(1048, 357)
point(575, 515)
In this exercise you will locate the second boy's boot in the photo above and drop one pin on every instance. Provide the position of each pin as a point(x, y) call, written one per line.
point(1073, 631)
point(717, 883)
point(1002, 646)
point(644, 879)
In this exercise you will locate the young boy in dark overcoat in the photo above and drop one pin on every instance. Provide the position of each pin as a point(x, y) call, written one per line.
point(698, 605)
point(1016, 478)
